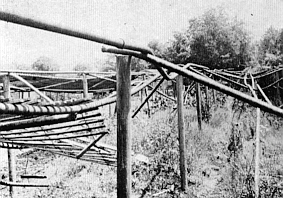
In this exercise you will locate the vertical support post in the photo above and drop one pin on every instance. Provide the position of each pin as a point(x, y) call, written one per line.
point(123, 127)
point(11, 154)
point(207, 103)
point(85, 86)
point(198, 98)
point(214, 96)
point(147, 102)
point(182, 139)
point(257, 152)
point(278, 94)
point(110, 110)
point(141, 95)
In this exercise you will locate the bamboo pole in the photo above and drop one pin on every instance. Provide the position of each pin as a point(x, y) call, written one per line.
point(61, 133)
point(198, 98)
point(11, 153)
point(123, 128)
point(182, 138)
point(53, 128)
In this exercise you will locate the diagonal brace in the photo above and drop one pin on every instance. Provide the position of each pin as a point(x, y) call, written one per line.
point(89, 146)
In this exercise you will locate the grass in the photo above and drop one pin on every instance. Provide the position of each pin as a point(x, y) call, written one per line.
point(220, 158)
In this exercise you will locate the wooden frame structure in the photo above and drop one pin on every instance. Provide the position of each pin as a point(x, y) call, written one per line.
point(199, 74)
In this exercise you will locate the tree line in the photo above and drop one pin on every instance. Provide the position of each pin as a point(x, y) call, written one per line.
point(213, 39)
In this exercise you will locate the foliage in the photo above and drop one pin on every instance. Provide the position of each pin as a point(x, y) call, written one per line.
point(271, 47)
point(213, 40)
point(44, 63)
point(82, 67)
point(136, 64)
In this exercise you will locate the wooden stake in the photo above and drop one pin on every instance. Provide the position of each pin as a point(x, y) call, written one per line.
point(123, 128)
point(11, 154)
point(182, 139)
point(198, 98)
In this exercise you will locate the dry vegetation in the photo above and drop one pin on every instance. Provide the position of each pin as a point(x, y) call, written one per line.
point(220, 158)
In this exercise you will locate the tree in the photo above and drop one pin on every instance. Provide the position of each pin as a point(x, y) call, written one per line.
point(136, 64)
point(44, 63)
point(212, 40)
point(271, 47)
point(82, 67)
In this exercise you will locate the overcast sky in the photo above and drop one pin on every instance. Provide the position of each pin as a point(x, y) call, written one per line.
point(138, 21)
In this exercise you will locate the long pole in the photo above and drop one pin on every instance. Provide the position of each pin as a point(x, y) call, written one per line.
point(201, 79)
point(13, 18)
point(11, 154)
point(123, 128)
point(182, 139)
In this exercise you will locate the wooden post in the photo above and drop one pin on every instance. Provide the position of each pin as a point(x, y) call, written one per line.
point(214, 96)
point(257, 153)
point(110, 110)
point(257, 150)
point(198, 98)
point(207, 103)
point(147, 102)
point(278, 94)
point(182, 139)
point(11, 154)
point(123, 128)
point(85, 86)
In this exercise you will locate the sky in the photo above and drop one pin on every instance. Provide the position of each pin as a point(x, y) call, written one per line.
point(135, 21)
